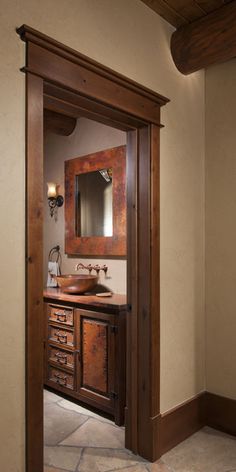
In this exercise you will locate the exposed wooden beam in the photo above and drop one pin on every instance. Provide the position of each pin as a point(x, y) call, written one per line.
point(59, 123)
point(166, 11)
point(207, 41)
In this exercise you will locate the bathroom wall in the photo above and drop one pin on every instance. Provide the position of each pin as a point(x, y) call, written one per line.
point(130, 38)
point(221, 229)
point(88, 137)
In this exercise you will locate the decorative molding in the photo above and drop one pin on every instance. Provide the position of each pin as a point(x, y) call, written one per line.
point(31, 35)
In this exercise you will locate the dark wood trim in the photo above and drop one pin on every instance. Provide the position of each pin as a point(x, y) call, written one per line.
point(206, 41)
point(134, 108)
point(221, 413)
point(131, 419)
point(204, 409)
point(34, 274)
point(31, 35)
point(182, 421)
point(58, 123)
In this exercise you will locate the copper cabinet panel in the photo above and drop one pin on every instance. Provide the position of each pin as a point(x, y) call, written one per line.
point(94, 344)
point(61, 335)
point(61, 378)
point(61, 357)
point(61, 315)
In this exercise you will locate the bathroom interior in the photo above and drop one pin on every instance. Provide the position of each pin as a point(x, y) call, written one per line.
point(85, 313)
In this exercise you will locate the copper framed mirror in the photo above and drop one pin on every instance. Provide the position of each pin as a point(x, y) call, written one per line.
point(95, 204)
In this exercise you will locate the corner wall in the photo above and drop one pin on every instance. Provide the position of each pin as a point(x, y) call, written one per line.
point(221, 229)
point(130, 38)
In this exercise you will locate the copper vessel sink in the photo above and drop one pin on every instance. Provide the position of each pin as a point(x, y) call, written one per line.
point(76, 283)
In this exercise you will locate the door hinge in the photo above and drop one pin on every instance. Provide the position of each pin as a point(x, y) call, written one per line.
point(114, 329)
point(113, 395)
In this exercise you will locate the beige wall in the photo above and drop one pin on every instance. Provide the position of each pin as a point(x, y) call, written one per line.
point(133, 40)
point(221, 228)
point(88, 137)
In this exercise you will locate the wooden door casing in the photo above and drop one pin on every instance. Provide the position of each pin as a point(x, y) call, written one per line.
point(116, 100)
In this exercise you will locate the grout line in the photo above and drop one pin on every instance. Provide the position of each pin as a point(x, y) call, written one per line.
point(72, 432)
point(78, 464)
point(122, 468)
point(103, 420)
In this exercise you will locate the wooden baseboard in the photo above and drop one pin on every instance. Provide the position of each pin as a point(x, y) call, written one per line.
point(204, 409)
point(221, 413)
point(184, 420)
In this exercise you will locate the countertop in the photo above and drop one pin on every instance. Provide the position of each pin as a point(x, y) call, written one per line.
point(115, 303)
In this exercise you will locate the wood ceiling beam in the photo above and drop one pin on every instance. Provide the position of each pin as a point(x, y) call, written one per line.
point(206, 41)
point(59, 123)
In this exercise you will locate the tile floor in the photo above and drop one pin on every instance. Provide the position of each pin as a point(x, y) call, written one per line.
point(78, 440)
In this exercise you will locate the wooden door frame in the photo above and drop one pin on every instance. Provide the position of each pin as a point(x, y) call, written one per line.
point(113, 99)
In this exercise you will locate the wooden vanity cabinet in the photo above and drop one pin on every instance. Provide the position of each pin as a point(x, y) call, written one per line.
point(85, 355)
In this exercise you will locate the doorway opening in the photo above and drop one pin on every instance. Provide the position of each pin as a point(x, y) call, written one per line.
point(105, 96)
point(85, 328)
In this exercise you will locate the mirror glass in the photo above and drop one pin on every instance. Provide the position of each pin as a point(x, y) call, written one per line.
point(94, 213)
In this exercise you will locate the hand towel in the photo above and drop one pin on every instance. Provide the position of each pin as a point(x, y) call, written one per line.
point(53, 269)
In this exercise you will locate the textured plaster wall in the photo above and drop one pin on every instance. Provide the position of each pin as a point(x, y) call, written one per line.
point(221, 229)
point(129, 37)
point(88, 137)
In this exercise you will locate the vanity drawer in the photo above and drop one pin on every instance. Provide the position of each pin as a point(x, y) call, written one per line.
point(61, 357)
point(64, 379)
point(61, 336)
point(60, 314)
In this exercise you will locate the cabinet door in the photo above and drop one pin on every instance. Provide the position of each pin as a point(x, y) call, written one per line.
point(96, 358)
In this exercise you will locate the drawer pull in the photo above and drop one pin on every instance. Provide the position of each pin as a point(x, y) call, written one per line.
point(61, 379)
point(61, 358)
point(62, 338)
point(61, 317)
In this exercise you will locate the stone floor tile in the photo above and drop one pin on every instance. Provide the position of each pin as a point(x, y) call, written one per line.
point(159, 466)
point(104, 460)
point(94, 433)
point(206, 451)
point(83, 411)
point(135, 468)
point(52, 469)
point(49, 397)
point(64, 457)
point(59, 423)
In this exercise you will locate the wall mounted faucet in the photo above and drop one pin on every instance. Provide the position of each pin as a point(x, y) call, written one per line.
point(90, 267)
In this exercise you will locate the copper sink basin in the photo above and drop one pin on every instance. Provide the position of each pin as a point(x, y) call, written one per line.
point(76, 283)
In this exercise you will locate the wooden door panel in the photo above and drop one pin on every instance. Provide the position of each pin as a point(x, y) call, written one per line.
point(94, 340)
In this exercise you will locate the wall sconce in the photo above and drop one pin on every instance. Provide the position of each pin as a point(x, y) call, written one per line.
point(54, 200)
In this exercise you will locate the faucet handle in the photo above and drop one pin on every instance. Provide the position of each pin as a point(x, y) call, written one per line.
point(105, 268)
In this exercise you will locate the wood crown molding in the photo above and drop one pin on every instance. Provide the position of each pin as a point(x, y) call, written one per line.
point(29, 34)
point(207, 41)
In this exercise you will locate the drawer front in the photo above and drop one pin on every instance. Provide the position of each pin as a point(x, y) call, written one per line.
point(61, 357)
point(61, 336)
point(64, 379)
point(61, 315)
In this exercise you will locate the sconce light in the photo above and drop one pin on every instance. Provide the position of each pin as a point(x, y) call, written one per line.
point(54, 200)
